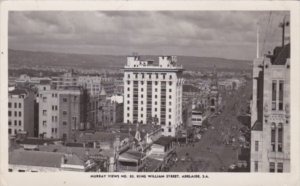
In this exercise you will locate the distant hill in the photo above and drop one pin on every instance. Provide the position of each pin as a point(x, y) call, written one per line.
point(89, 61)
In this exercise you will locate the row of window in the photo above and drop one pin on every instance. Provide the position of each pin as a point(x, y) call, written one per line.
point(142, 115)
point(149, 83)
point(150, 75)
point(15, 122)
point(271, 166)
point(21, 170)
point(16, 114)
point(142, 89)
point(13, 132)
point(54, 118)
point(155, 96)
point(16, 105)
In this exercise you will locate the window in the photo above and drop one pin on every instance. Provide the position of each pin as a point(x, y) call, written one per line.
point(15, 105)
point(128, 95)
point(170, 97)
point(280, 137)
point(16, 122)
point(170, 130)
point(272, 167)
point(170, 83)
point(155, 89)
point(9, 131)
point(65, 100)
point(256, 166)
point(170, 110)
point(142, 96)
point(9, 113)
point(273, 135)
point(279, 167)
point(128, 82)
point(65, 113)
point(143, 75)
point(155, 109)
point(155, 102)
point(128, 102)
point(274, 85)
point(52, 107)
point(280, 101)
point(64, 123)
point(128, 77)
point(9, 104)
point(44, 112)
point(128, 89)
point(256, 145)
point(142, 109)
point(170, 90)
point(170, 116)
point(142, 89)
point(128, 115)
point(169, 123)
point(155, 96)
point(20, 105)
point(170, 103)
point(9, 122)
point(44, 123)
point(44, 99)
point(128, 108)
point(20, 170)
point(142, 115)
point(20, 114)
point(16, 113)
point(156, 83)
point(20, 122)
point(170, 76)
point(142, 102)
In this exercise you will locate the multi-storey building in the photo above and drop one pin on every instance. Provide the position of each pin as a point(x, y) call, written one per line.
point(59, 112)
point(153, 91)
point(91, 83)
point(270, 114)
point(66, 80)
point(21, 112)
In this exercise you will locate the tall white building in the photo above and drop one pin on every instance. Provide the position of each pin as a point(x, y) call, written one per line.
point(153, 93)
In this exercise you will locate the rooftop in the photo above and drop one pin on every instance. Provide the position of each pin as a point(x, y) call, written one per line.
point(18, 92)
point(164, 140)
point(35, 158)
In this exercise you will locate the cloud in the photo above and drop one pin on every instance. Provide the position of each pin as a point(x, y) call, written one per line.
point(230, 34)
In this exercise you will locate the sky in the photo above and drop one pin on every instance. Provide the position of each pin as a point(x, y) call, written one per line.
point(224, 34)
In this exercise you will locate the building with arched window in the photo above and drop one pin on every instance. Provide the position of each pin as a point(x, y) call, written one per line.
point(270, 114)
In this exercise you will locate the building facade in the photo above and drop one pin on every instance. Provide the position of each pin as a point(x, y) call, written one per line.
point(59, 112)
point(21, 112)
point(270, 112)
point(153, 91)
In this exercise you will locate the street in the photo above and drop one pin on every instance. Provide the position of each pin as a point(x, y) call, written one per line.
point(218, 147)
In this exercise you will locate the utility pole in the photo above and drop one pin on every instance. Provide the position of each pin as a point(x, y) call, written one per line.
point(257, 42)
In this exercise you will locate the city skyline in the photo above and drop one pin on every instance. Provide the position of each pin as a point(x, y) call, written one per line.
point(189, 33)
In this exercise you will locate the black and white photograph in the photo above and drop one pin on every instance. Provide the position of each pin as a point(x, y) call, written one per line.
point(144, 91)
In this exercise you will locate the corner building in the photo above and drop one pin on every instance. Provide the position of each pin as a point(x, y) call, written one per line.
point(270, 114)
point(153, 93)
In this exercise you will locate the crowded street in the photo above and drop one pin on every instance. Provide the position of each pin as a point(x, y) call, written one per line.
point(221, 140)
